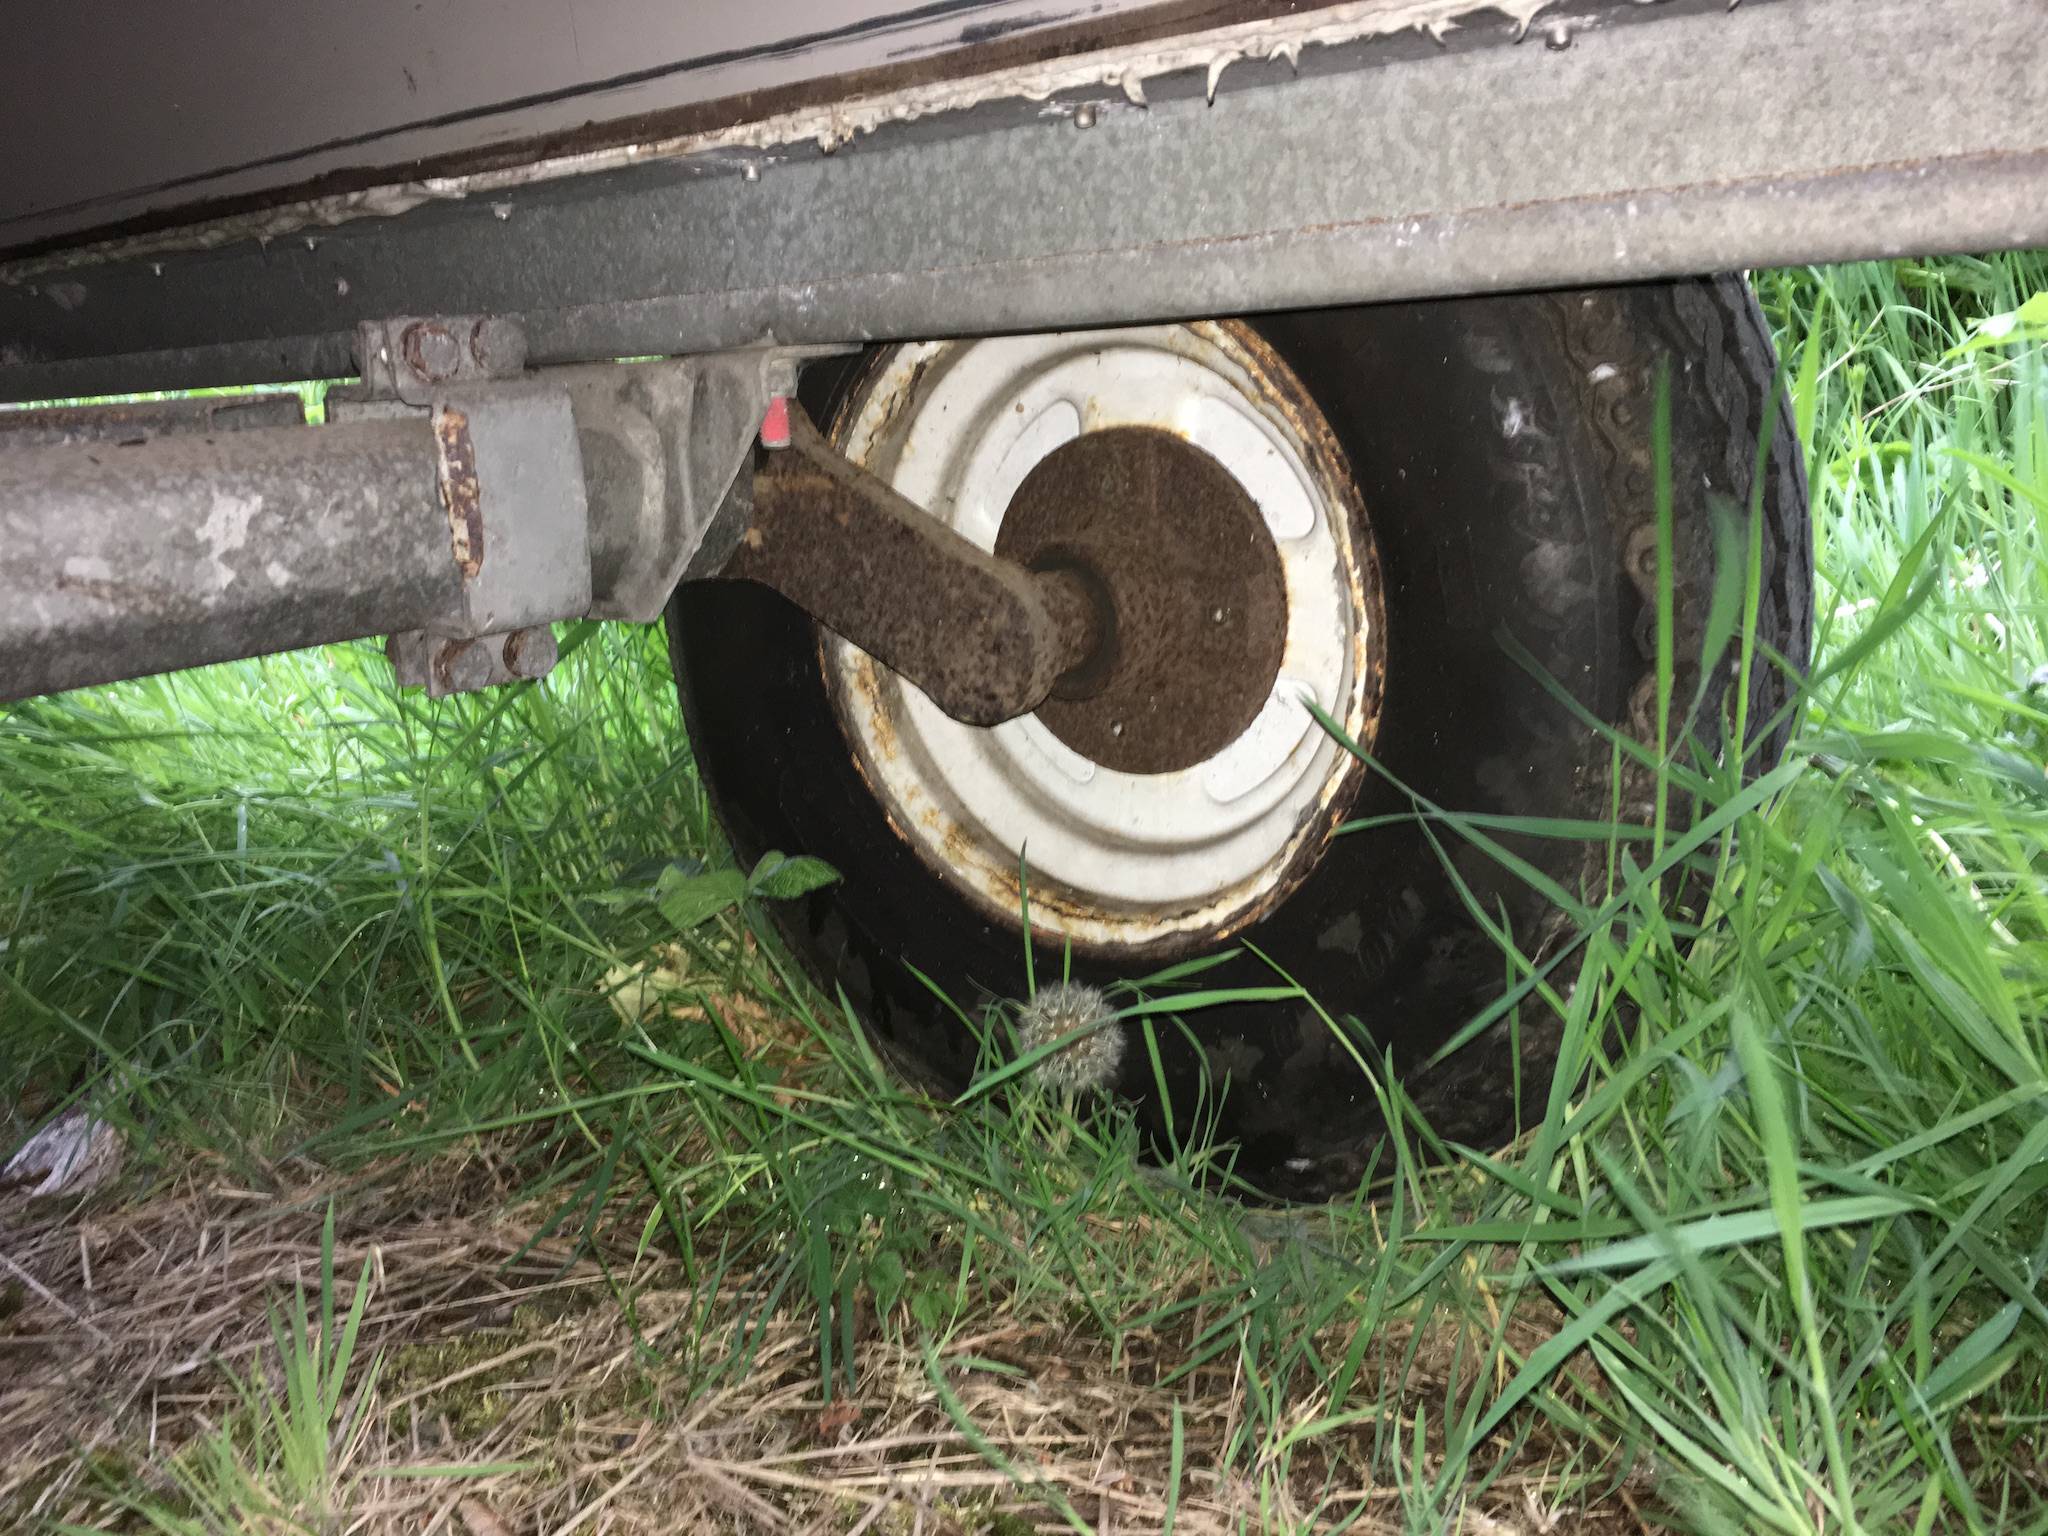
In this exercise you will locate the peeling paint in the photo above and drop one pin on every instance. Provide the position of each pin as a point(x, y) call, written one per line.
point(828, 128)
point(226, 530)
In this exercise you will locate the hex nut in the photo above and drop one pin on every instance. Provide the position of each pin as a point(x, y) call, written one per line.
point(408, 654)
point(430, 351)
point(464, 666)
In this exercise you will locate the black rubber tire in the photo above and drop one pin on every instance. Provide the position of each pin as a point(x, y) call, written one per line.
point(1503, 449)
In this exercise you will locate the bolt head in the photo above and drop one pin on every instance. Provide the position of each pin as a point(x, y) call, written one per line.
point(408, 656)
point(1084, 115)
point(464, 666)
point(498, 345)
point(431, 351)
point(531, 653)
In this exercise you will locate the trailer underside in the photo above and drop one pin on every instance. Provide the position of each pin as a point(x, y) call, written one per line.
point(1339, 155)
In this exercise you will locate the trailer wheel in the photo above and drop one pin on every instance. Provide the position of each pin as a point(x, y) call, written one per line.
point(1366, 501)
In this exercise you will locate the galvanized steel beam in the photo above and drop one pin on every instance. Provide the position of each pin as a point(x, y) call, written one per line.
point(141, 420)
point(464, 524)
point(121, 561)
point(1673, 142)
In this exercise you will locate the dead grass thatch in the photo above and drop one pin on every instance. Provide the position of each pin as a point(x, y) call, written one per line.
point(525, 1387)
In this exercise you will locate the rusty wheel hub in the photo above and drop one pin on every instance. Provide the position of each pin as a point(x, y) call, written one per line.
point(1189, 584)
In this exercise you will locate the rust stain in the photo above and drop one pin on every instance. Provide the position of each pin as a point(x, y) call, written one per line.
point(858, 399)
point(869, 686)
point(1360, 711)
point(953, 841)
point(461, 493)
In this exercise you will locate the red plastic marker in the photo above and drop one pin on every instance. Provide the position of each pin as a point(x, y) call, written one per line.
point(775, 425)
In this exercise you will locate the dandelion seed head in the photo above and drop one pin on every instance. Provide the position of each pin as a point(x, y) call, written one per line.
point(1082, 1016)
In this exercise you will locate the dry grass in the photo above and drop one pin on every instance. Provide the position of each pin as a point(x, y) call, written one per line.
point(525, 1388)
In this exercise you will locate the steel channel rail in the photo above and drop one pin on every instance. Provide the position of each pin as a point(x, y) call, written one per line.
point(1680, 140)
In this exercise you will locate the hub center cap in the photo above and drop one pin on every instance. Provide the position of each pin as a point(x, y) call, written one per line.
point(1192, 588)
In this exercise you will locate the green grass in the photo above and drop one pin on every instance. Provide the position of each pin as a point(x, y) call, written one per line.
point(1771, 1262)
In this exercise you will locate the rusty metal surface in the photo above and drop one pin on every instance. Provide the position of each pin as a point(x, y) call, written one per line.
point(660, 445)
point(455, 482)
point(518, 509)
point(462, 528)
point(1188, 569)
point(139, 420)
point(466, 525)
point(984, 638)
point(443, 666)
point(413, 358)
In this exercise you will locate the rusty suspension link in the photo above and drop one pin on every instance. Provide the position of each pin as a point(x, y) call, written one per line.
point(986, 639)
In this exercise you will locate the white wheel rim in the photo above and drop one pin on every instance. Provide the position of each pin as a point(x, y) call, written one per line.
point(1115, 859)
